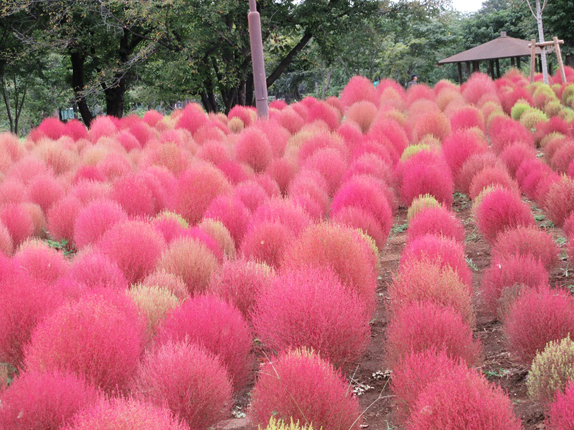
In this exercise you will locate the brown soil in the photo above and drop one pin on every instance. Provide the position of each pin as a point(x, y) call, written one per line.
point(371, 377)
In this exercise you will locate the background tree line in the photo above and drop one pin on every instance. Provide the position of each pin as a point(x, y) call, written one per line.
point(108, 56)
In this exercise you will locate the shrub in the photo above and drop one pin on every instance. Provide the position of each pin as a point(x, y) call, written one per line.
point(6, 243)
point(62, 217)
point(559, 200)
point(154, 304)
point(415, 372)
point(216, 325)
point(391, 131)
point(134, 196)
point(530, 174)
point(536, 318)
point(13, 191)
point(527, 241)
point(358, 89)
point(120, 413)
point(506, 132)
point(421, 203)
point(437, 221)
point(330, 164)
point(465, 118)
point(45, 190)
point(192, 261)
point(508, 270)
point(500, 210)
point(94, 219)
point(459, 147)
point(463, 400)
point(18, 221)
point(491, 176)
point(83, 337)
point(251, 194)
point(551, 371)
point(232, 213)
point(425, 325)
point(513, 156)
point(433, 123)
point(266, 242)
point(309, 307)
point(95, 270)
point(424, 281)
point(322, 111)
point(283, 211)
point(187, 379)
point(196, 188)
point(44, 400)
point(474, 164)
point(173, 283)
point(563, 157)
point(253, 148)
point(282, 170)
point(561, 413)
point(363, 220)
point(363, 113)
point(42, 263)
point(220, 234)
point(241, 282)
point(342, 249)
point(135, 246)
point(439, 250)
point(299, 385)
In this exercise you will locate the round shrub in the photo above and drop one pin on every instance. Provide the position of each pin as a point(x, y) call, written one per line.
point(342, 249)
point(266, 242)
point(154, 304)
point(527, 241)
point(559, 202)
point(83, 337)
point(18, 221)
point(424, 281)
point(561, 413)
point(463, 400)
point(474, 164)
point(241, 282)
point(187, 379)
point(42, 262)
point(95, 270)
point(362, 113)
point(283, 211)
point(536, 318)
point(45, 190)
point(363, 220)
point(509, 270)
point(6, 243)
point(120, 413)
point(173, 283)
point(459, 147)
point(94, 219)
point(251, 194)
point(37, 400)
point(253, 148)
point(309, 307)
point(420, 203)
point(299, 385)
point(216, 325)
point(500, 210)
point(192, 261)
point(232, 213)
point(515, 154)
point(358, 89)
point(425, 325)
point(135, 246)
point(551, 371)
point(491, 176)
point(437, 221)
point(219, 232)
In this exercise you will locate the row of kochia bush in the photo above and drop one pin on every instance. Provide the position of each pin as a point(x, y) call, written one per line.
point(196, 233)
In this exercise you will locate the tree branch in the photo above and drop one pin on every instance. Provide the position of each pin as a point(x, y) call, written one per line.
point(288, 58)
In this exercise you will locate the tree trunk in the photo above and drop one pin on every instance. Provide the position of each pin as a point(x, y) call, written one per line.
point(115, 98)
point(78, 60)
point(541, 40)
point(7, 103)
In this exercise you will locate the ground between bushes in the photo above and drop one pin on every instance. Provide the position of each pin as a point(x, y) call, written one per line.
point(371, 377)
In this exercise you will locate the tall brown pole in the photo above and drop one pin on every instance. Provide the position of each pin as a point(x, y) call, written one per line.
point(559, 57)
point(259, 77)
point(532, 59)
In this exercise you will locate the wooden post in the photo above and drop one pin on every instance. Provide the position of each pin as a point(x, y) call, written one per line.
point(497, 68)
point(491, 69)
point(532, 59)
point(468, 72)
point(559, 57)
point(259, 77)
point(512, 62)
point(459, 67)
point(518, 63)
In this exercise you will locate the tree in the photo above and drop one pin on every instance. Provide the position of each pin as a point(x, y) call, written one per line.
point(560, 19)
point(538, 17)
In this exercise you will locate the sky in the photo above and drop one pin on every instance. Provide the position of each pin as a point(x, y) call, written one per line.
point(467, 5)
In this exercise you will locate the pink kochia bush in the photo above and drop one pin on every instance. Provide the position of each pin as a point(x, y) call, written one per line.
point(536, 318)
point(253, 148)
point(425, 325)
point(300, 385)
point(559, 201)
point(95, 270)
point(37, 400)
point(120, 413)
point(187, 379)
point(266, 242)
point(342, 249)
point(95, 219)
point(216, 325)
point(309, 307)
point(502, 209)
point(561, 413)
point(463, 399)
point(41, 262)
point(437, 221)
point(135, 246)
point(85, 338)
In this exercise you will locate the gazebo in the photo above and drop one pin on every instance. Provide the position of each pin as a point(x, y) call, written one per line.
point(501, 47)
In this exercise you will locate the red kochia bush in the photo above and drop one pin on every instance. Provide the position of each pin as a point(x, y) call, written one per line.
point(491, 176)
point(358, 218)
point(125, 414)
point(500, 210)
point(415, 372)
point(45, 190)
point(344, 250)
point(474, 164)
point(358, 89)
point(299, 385)
point(266, 242)
point(134, 196)
point(442, 251)
point(83, 337)
point(330, 164)
point(216, 325)
point(196, 188)
point(232, 213)
point(559, 201)
point(362, 113)
point(438, 221)
point(309, 307)
point(253, 148)
point(18, 221)
point(459, 146)
point(135, 246)
point(62, 216)
point(95, 219)
point(251, 194)
point(513, 156)
point(466, 117)
point(536, 318)
point(43, 263)
point(509, 270)
point(527, 241)
point(95, 270)
point(466, 400)
point(241, 282)
point(508, 132)
point(187, 379)
point(284, 211)
point(6, 243)
point(561, 413)
point(37, 400)
point(425, 325)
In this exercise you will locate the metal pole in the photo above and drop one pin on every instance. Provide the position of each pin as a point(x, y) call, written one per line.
point(259, 76)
